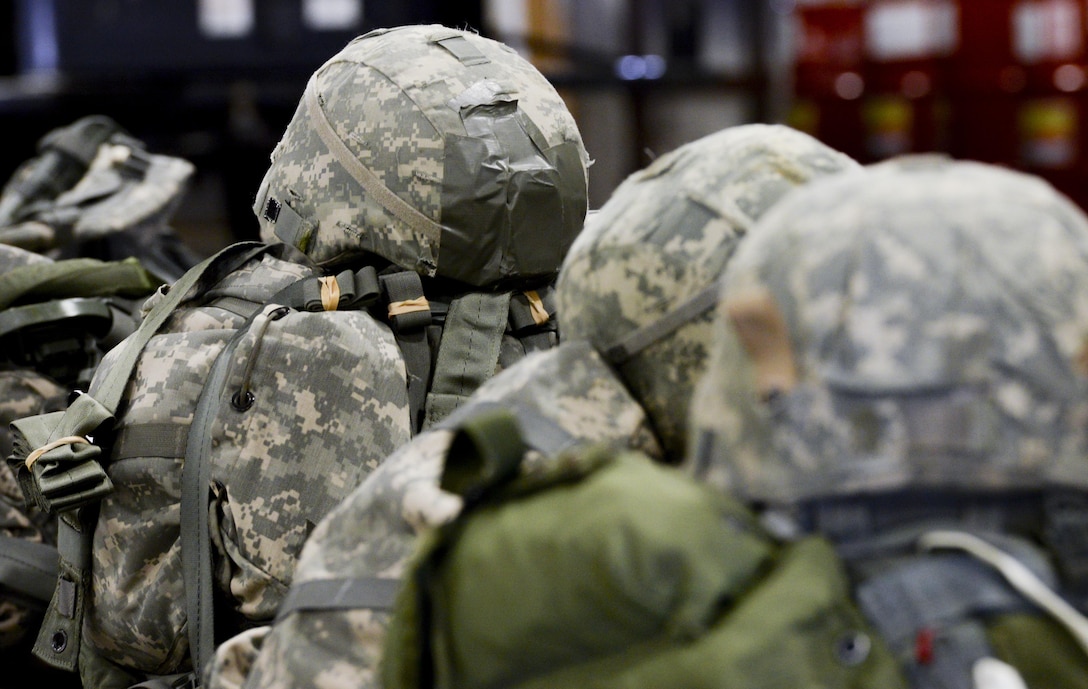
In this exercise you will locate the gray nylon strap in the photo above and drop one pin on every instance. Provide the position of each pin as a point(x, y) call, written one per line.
point(237, 306)
point(363, 175)
point(196, 551)
point(28, 568)
point(469, 351)
point(371, 593)
point(150, 440)
point(630, 345)
point(224, 261)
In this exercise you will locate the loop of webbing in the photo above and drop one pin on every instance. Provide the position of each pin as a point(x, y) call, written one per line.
point(532, 309)
point(408, 307)
point(67, 440)
point(346, 290)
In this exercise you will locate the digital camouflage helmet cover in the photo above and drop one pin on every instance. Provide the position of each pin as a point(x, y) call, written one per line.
point(923, 326)
point(438, 150)
point(640, 281)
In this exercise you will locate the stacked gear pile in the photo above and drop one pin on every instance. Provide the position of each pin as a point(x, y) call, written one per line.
point(94, 191)
point(901, 367)
point(269, 380)
point(640, 275)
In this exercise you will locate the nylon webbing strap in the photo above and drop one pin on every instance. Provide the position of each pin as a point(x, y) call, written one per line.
point(354, 289)
point(410, 330)
point(371, 593)
point(364, 176)
point(469, 352)
point(223, 262)
point(150, 440)
point(28, 568)
point(634, 342)
point(196, 550)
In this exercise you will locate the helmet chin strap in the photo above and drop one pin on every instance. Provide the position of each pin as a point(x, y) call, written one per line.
point(634, 342)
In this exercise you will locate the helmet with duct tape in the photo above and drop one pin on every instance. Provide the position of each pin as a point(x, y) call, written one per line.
point(639, 282)
point(439, 150)
point(923, 327)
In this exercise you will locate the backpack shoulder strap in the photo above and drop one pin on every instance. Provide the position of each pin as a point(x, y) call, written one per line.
point(409, 315)
point(469, 351)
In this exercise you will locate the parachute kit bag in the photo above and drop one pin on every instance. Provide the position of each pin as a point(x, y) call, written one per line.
point(602, 568)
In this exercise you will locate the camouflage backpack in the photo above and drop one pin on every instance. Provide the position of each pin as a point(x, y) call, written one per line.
point(900, 367)
point(601, 568)
point(265, 384)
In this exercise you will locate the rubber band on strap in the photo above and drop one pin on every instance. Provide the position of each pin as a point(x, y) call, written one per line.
point(330, 293)
point(59, 442)
point(399, 308)
point(536, 307)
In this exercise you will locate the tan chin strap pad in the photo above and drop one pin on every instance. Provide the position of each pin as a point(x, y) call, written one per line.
point(761, 329)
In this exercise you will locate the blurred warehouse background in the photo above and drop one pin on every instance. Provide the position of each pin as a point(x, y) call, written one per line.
point(215, 81)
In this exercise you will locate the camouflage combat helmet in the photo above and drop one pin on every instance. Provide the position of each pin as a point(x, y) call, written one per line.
point(439, 150)
point(638, 282)
point(924, 326)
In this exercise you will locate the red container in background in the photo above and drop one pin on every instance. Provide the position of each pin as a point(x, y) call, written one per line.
point(985, 83)
point(1000, 81)
point(1049, 39)
point(828, 80)
point(906, 44)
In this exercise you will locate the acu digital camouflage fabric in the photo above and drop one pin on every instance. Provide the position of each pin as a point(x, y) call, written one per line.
point(401, 131)
point(946, 348)
point(574, 389)
point(442, 151)
point(639, 281)
point(372, 534)
point(900, 367)
point(280, 460)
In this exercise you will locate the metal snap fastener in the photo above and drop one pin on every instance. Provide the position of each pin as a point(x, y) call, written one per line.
point(59, 641)
point(853, 648)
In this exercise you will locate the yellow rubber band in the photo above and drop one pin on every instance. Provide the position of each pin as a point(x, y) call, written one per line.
point(330, 293)
point(399, 308)
point(69, 440)
point(536, 308)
